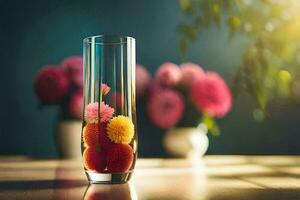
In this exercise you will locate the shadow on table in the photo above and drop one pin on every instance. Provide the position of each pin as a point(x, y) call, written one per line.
point(41, 184)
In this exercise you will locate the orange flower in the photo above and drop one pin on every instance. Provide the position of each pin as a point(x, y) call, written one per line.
point(90, 134)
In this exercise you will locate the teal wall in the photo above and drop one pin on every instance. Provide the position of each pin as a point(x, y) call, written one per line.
point(35, 33)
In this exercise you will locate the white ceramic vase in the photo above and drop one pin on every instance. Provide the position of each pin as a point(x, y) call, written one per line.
point(68, 137)
point(187, 142)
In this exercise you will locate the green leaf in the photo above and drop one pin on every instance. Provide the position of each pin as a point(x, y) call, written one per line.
point(211, 124)
point(234, 22)
point(185, 5)
point(216, 8)
point(216, 13)
point(284, 83)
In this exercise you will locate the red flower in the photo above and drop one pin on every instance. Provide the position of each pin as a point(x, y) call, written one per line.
point(212, 95)
point(76, 104)
point(119, 158)
point(73, 66)
point(51, 84)
point(165, 107)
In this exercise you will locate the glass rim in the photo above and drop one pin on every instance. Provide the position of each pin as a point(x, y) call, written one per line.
point(90, 38)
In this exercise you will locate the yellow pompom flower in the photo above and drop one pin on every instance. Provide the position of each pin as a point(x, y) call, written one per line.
point(120, 129)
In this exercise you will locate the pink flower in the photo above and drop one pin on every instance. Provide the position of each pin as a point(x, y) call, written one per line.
point(91, 112)
point(191, 73)
point(105, 89)
point(76, 104)
point(212, 95)
point(168, 74)
point(165, 108)
point(51, 84)
point(143, 79)
point(73, 66)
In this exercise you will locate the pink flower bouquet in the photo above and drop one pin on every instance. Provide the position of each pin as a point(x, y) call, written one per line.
point(184, 96)
point(62, 85)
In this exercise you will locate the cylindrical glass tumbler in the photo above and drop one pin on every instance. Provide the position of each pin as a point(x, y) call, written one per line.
point(109, 132)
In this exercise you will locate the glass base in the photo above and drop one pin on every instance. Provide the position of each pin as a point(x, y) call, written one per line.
point(108, 178)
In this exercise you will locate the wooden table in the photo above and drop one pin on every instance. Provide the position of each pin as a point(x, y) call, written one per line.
point(215, 177)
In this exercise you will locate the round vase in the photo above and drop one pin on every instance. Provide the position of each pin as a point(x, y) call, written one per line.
point(187, 142)
point(68, 139)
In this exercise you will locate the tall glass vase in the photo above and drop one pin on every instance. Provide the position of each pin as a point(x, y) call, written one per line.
point(109, 131)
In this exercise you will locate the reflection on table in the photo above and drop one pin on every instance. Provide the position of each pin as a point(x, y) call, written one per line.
point(111, 192)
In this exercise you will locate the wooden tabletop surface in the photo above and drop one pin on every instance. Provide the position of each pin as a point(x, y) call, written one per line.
point(214, 177)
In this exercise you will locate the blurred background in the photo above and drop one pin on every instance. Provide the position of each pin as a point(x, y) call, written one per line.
point(35, 33)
